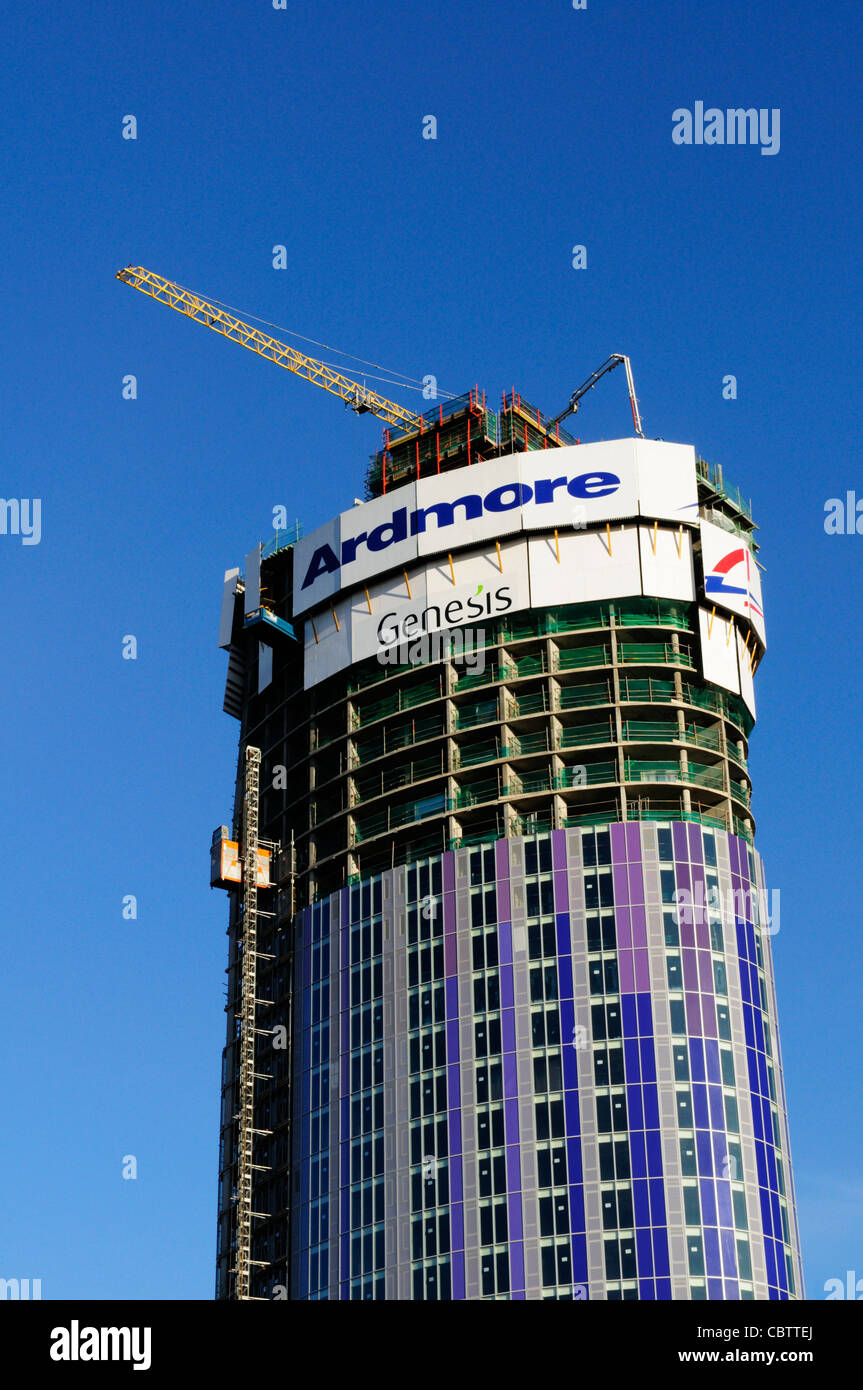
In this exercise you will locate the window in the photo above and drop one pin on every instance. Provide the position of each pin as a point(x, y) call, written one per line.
point(543, 982)
point(541, 940)
point(549, 1119)
point(598, 890)
point(600, 931)
point(493, 1223)
point(620, 1258)
point(687, 1158)
point(684, 1110)
point(554, 1215)
point(691, 1205)
point(551, 1165)
point(494, 1271)
point(608, 1066)
point(489, 1083)
point(678, 1017)
point(556, 1263)
point(540, 897)
point(611, 1113)
point(492, 1174)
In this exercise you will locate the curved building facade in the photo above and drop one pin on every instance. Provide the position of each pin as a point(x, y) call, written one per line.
point(520, 1033)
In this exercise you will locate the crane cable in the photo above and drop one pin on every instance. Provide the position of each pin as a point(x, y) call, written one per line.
point(409, 383)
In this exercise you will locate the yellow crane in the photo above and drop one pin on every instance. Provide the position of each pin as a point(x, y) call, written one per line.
point(358, 397)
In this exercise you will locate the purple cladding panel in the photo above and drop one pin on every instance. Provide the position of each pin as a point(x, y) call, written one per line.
point(618, 844)
point(621, 885)
point(504, 933)
point(694, 833)
point(678, 832)
point(449, 872)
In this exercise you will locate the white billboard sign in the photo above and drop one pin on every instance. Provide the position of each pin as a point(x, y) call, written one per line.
point(666, 562)
point(731, 577)
point(580, 566)
point(719, 649)
point(577, 486)
point(477, 586)
point(747, 684)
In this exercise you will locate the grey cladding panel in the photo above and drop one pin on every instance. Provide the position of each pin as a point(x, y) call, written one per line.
point(226, 621)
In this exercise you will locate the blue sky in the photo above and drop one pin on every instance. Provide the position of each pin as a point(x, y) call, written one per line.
point(303, 127)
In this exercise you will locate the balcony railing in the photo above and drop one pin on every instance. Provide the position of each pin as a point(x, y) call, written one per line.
point(581, 735)
point(575, 658)
point(654, 654)
point(580, 696)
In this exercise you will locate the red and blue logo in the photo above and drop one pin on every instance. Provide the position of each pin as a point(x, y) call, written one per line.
point(717, 581)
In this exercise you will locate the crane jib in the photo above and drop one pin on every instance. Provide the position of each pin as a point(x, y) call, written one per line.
point(359, 398)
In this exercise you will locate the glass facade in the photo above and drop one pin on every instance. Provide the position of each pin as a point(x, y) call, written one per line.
point(530, 1070)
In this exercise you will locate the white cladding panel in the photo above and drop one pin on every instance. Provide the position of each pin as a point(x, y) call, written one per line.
point(391, 604)
point(265, 666)
point(496, 479)
point(667, 483)
point(331, 651)
point(226, 619)
point(601, 484)
point(252, 599)
point(719, 650)
point(477, 577)
point(747, 684)
point(326, 584)
point(756, 611)
point(666, 563)
point(731, 578)
point(591, 566)
point(377, 535)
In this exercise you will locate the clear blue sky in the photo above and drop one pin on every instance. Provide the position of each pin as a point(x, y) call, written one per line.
point(259, 127)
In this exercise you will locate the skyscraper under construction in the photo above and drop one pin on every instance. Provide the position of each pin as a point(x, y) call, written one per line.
point(500, 974)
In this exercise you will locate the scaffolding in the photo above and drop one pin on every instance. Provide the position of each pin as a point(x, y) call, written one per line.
point(458, 433)
point(248, 1031)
